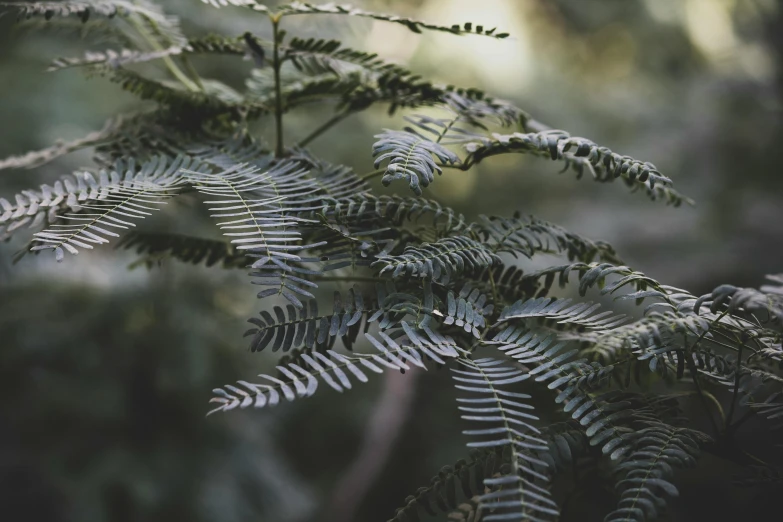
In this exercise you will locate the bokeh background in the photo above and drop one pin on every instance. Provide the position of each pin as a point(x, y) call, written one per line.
point(106, 369)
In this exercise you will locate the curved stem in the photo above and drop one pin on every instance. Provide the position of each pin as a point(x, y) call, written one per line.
point(172, 67)
point(337, 118)
point(373, 174)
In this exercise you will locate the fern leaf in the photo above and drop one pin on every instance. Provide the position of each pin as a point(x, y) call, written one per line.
point(439, 261)
point(335, 370)
point(318, 56)
point(521, 494)
point(163, 27)
point(297, 8)
point(465, 479)
point(601, 162)
point(645, 477)
point(203, 104)
point(596, 274)
point(563, 311)
point(528, 236)
point(309, 329)
point(409, 156)
point(211, 44)
point(766, 302)
point(395, 210)
point(467, 310)
point(250, 4)
point(113, 58)
point(81, 10)
point(111, 200)
point(574, 378)
point(255, 208)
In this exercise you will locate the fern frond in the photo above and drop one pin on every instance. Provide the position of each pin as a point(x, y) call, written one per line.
point(645, 476)
point(193, 250)
point(148, 14)
point(318, 56)
point(337, 182)
point(574, 378)
point(297, 8)
point(595, 274)
point(478, 109)
point(409, 156)
point(528, 236)
point(255, 206)
point(110, 200)
point(194, 104)
point(211, 44)
point(112, 58)
point(395, 210)
point(81, 10)
point(602, 163)
point(465, 479)
point(467, 310)
point(522, 493)
point(309, 329)
point(766, 302)
point(439, 261)
point(250, 4)
point(334, 370)
point(563, 311)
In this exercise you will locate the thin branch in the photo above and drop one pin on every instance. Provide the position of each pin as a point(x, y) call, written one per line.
point(172, 67)
point(337, 118)
point(373, 174)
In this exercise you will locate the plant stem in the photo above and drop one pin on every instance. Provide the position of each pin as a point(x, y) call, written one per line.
point(337, 118)
point(373, 174)
point(279, 151)
point(355, 279)
point(172, 67)
point(192, 70)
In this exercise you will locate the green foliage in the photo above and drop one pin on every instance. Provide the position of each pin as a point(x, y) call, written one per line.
point(415, 284)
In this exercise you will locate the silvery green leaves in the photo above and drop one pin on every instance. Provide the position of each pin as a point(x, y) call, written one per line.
point(505, 420)
point(766, 303)
point(81, 10)
point(309, 329)
point(301, 379)
point(579, 155)
point(564, 311)
point(574, 379)
point(410, 156)
point(466, 310)
point(439, 261)
point(165, 28)
point(87, 209)
point(250, 4)
point(645, 480)
point(529, 236)
point(257, 209)
point(296, 8)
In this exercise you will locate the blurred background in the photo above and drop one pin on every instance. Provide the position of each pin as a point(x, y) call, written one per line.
point(105, 370)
